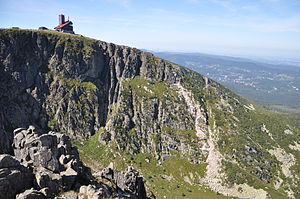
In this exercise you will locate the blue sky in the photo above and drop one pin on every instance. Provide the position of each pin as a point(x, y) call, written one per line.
point(261, 28)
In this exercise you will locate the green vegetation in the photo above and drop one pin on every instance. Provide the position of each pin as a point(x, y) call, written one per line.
point(166, 179)
point(52, 123)
point(91, 152)
point(242, 138)
point(239, 130)
point(282, 108)
point(87, 46)
point(73, 43)
point(190, 134)
point(150, 89)
point(77, 83)
point(271, 85)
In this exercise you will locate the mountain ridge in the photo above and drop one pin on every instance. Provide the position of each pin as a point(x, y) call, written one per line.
point(136, 109)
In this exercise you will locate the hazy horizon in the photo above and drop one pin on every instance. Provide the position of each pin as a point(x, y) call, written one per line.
point(233, 55)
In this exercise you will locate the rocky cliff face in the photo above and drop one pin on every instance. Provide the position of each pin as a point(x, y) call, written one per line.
point(136, 104)
point(77, 85)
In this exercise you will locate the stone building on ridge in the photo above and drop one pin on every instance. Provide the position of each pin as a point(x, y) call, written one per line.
point(64, 26)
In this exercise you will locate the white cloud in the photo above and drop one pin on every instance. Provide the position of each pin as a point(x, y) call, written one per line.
point(229, 5)
point(249, 7)
point(279, 25)
point(123, 3)
point(226, 4)
point(193, 1)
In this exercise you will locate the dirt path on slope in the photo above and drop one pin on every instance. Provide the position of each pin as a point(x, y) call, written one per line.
point(214, 175)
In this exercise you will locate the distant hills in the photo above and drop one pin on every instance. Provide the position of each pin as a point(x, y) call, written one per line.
point(276, 86)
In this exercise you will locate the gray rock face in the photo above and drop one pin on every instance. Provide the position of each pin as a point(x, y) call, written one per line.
point(31, 194)
point(72, 84)
point(7, 161)
point(77, 85)
point(14, 178)
point(68, 196)
point(128, 182)
point(53, 160)
point(93, 192)
point(5, 142)
point(55, 167)
point(116, 184)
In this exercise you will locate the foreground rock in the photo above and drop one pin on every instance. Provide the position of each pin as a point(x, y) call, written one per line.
point(31, 194)
point(127, 182)
point(55, 163)
point(46, 165)
point(14, 178)
point(93, 191)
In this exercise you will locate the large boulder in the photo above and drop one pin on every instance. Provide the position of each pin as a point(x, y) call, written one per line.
point(98, 191)
point(128, 182)
point(35, 150)
point(5, 141)
point(8, 161)
point(52, 158)
point(14, 178)
point(115, 184)
point(56, 168)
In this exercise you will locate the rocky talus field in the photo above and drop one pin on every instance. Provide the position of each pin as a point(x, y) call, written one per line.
point(86, 119)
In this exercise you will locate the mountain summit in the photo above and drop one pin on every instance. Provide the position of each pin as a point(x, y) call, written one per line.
point(189, 136)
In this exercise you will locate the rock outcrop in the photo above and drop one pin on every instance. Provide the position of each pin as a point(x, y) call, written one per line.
point(46, 165)
point(14, 177)
point(127, 182)
point(73, 84)
point(31, 194)
point(54, 161)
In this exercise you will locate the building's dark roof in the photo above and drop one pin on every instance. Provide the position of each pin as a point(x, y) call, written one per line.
point(63, 25)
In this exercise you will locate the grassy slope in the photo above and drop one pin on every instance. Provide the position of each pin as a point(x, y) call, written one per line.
point(166, 180)
point(249, 128)
point(242, 128)
point(92, 153)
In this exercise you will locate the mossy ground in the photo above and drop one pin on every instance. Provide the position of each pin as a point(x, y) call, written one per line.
point(73, 42)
